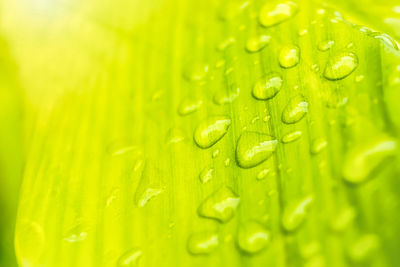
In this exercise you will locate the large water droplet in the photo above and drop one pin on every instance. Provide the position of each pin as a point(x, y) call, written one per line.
point(267, 87)
point(275, 12)
point(291, 137)
point(202, 243)
point(29, 243)
point(295, 213)
point(289, 56)
point(220, 205)
point(295, 110)
point(130, 258)
point(252, 237)
point(189, 105)
point(361, 160)
point(206, 175)
point(257, 43)
point(211, 131)
point(340, 65)
point(253, 148)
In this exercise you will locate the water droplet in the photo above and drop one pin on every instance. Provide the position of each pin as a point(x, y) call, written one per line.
point(385, 39)
point(226, 43)
point(257, 43)
point(29, 243)
point(273, 13)
point(189, 105)
point(130, 258)
point(196, 72)
point(318, 145)
point(295, 110)
point(340, 65)
point(222, 97)
point(315, 68)
point(302, 32)
point(266, 118)
point(232, 9)
point(211, 130)
point(267, 87)
point(253, 148)
point(295, 213)
point(289, 56)
point(147, 195)
point(255, 119)
point(206, 175)
point(291, 137)
point(215, 153)
point(362, 159)
point(262, 174)
point(123, 146)
point(76, 234)
point(359, 78)
point(227, 162)
point(343, 219)
point(220, 205)
point(363, 247)
point(202, 243)
point(325, 45)
point(252, 237)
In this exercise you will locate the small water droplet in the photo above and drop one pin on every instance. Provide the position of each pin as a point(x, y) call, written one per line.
point(362, 159)
point(232, 9)
point(340, 65)
point(364, 247)
point(295, 213)
point(295, 110)
point(202, 243)
point(359, 78)
point(147, 195)
point(130, 258)
point(289, 56)
point(226, 43)
point(266, 118)
point(267, 87)
point(257, 43)
point(175, 135)
point(262, 174)
point(291, 137)
point(189, 105)
point(206, 174)
point(302, 32)
point(318, 145)
point(215, 153)
point(253, 148)
point(315, 68)
point(75, 235)
point(273, 13)
point(325, 45)
point(227, 162)
point(211, 130)
point(222, 97)
point(253, 237)
point(220, 205)
point(196, 72)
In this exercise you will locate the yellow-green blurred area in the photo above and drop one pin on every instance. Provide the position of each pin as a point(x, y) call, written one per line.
point(98, 166)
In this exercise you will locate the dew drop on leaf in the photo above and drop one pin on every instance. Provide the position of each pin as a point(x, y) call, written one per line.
point(275, 12)
point(318, 145)
point(211, 130)
point(189, 105)
point(252, 237)
point(340, 65)
point(220, 205)
point(253, 148)
point(291, 137)
point(130, 258)
point(295, 213)
point(295, 110)
point(362, 159)
point(202, 243)
point(257, 43)
point(325, 45)
point(289, 56)
point(206, 174)
point(267, 87)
